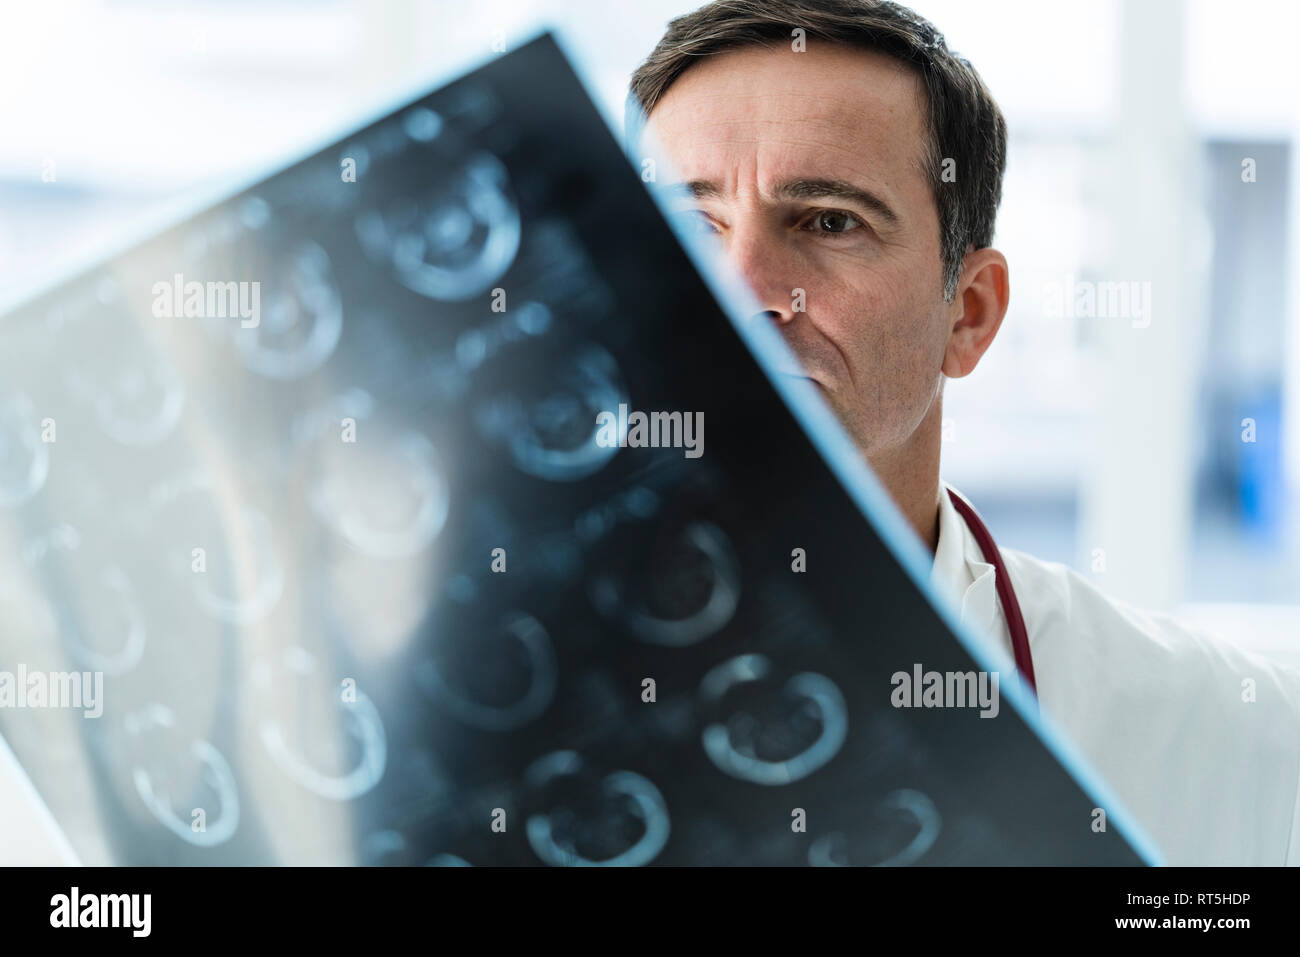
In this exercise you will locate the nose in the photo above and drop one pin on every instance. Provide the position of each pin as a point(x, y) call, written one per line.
point(759, 257)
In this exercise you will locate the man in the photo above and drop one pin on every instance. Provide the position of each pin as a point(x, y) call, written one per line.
point(839, 147)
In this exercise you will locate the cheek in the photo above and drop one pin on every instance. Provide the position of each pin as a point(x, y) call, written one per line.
point(893, 339)
point(882, 326)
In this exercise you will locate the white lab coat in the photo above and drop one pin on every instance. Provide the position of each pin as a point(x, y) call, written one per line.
point(1156, 707)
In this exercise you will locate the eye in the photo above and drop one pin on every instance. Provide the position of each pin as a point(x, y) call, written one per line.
point(833, 222)
point(695, 220)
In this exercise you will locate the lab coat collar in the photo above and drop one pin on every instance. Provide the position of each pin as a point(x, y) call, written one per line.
point(960, 570)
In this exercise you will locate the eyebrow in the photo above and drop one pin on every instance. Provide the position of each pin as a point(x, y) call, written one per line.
point(804, 189)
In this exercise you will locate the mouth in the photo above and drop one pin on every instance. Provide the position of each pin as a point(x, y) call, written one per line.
point(803, 378)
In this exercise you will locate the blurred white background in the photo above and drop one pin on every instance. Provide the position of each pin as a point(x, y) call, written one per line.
point(1104, 443)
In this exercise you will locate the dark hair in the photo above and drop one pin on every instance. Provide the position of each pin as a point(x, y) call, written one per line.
point(965, 124)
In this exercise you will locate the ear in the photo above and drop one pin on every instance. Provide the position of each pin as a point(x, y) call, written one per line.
point(975, 316)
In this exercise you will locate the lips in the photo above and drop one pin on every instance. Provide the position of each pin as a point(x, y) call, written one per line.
point(799, 375)
point(826, 394)
point(793, 367)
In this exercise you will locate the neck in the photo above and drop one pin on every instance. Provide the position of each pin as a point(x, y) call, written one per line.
point(910, 473)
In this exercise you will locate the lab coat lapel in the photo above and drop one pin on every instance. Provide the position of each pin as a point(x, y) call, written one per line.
point(979, 605)
point(961, 569)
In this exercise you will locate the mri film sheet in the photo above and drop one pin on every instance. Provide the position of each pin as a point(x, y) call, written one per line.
point(315, 481)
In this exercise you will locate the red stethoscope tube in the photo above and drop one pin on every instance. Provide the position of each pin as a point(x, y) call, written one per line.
point(1006, 593)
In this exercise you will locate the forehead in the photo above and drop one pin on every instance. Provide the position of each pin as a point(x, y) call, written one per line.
point(834, 111)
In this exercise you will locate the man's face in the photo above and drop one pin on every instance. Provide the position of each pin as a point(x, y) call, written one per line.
point(808, 167)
